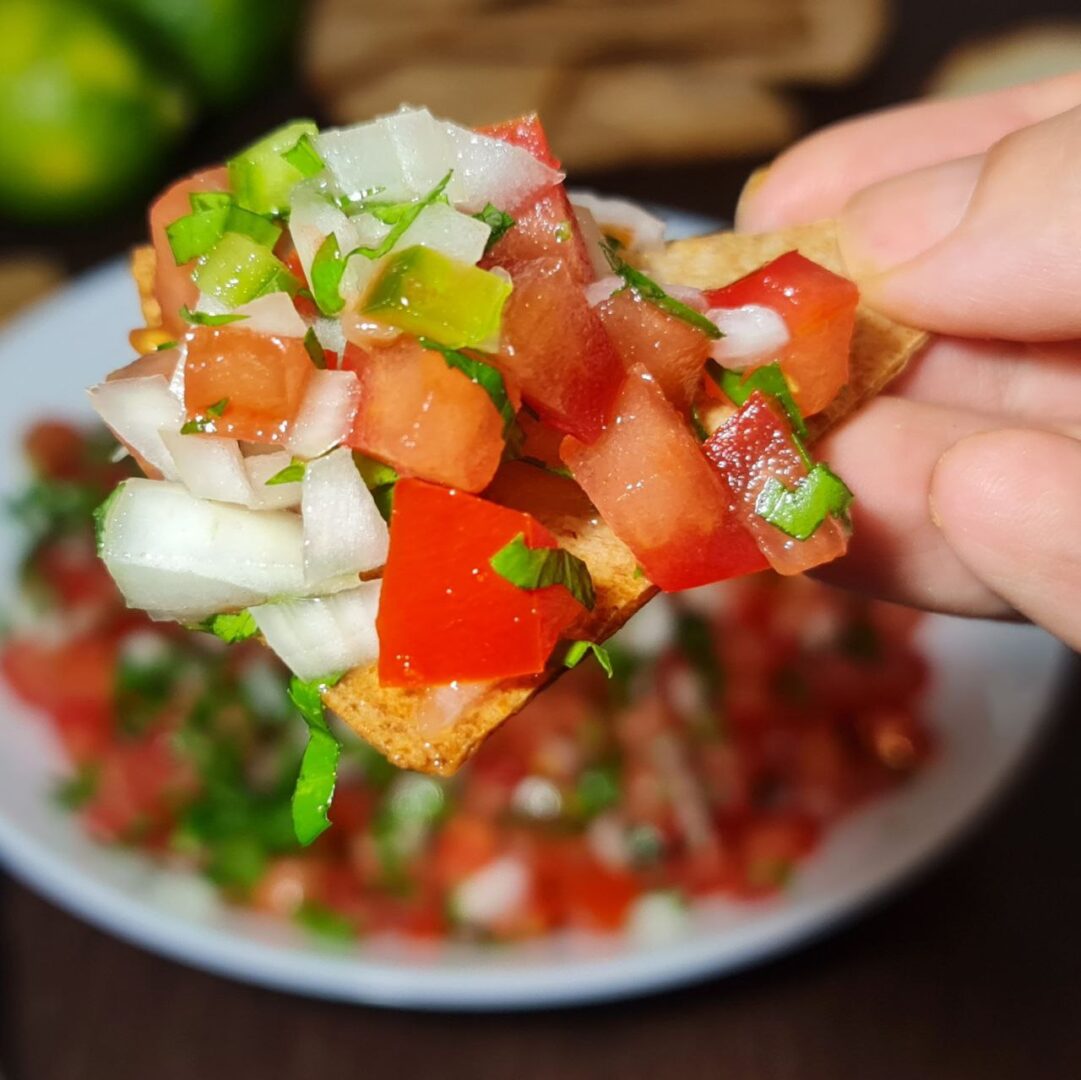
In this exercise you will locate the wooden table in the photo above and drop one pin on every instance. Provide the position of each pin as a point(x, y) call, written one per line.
point(972, 972)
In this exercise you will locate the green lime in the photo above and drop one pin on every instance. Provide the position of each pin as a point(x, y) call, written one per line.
point(226, 47)
point(84, 119)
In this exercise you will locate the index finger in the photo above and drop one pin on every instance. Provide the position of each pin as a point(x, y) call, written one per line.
point(817, 176)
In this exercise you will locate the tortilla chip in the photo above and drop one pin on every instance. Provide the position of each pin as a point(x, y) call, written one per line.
point(437, 730)
point(388, 718)
point(143, 269)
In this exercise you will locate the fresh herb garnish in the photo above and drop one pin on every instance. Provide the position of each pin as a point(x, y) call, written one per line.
point(314, 348)
point(202, 318)
point(75, 791)
point(324, 922)
point(194, 235)
point(230, 626)
point(210, 200)
point(293, 473)
point(770, 380)
point(304, 157)
point(487, 377)
point(499, 221)
point(379, 479)
point(537, 568)
point(798, 513)
point(400, 216)
point(649, 290)
point(319, 767)
point(597, 790)
point(204, 423)
point(580, 649)
point(164, 345)
point(101, 516)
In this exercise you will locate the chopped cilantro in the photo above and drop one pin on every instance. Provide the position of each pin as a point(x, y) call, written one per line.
point(293, 473)
point(597, 790)
point(327, 270)
point(204, 423)
point(314, 348)
point(537, 568)
point(75, 791)
point(230, 626)
point(201, 318)
point(319, 767)
point(798, 513)
point(499, 221)
point(579, 649)
point(770, 380)
point(488, 378)
point(325, 922)
point(649, 290)
point(399, 216)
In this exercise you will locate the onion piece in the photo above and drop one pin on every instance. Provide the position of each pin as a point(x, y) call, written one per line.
point(442, 228)
point(330, 333)
point(323, 635)
point(404, 155)
point(344, 533)
point(599, 291)
point(326, 414)
point(750, 333)
point(493, 893)
point(136, 411)
point(170, 552)
point(260, 469)
point(643, 230)
point(210, 467)
point(273, 314)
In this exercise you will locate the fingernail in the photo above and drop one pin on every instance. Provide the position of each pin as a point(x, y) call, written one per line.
point(746, 196)
point(896, 220)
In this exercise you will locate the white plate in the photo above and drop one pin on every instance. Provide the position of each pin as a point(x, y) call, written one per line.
point(992, 686)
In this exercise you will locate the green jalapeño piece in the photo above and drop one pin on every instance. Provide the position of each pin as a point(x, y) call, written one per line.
point(238, 269)
point(263, 175)
point(425, 293)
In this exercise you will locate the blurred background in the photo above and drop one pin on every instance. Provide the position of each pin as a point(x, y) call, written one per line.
point(673, 102)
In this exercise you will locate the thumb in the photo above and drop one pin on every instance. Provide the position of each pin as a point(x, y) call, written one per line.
point(983, 246)
point(1006, 502)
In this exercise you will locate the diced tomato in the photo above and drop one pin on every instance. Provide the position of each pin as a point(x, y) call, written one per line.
point(557, 350)
point(173, 286)
point(580, 892)
point(819, 309)
point(653, 486)
point(55, 449)
point(465, 844)
point(445, 614)
point(423, 417)
point(79, 672)
point(671, 350)
point(546, 228)
point(75, 576)
point(751, 449)
point(770, 848)
point(289, 882)
point(261, 378)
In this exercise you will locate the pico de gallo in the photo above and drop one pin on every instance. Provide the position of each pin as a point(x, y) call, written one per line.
point(741, 722)
point(354, 329)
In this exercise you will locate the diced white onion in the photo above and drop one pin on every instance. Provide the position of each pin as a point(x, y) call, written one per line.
point(323, 635)
point(272, 314)
point(599, 291)
point(326, 414)
point(444, 229)
point(330, 334)
point(493, 893)
point(344, 533)
point(693, 298)
point(260, 469)
point(210, 467)
point(751, 333)
point(136, 411)
point(404, 155)
point(441, 707)
point(657, 918)
point(646, 230)
point(173, 553)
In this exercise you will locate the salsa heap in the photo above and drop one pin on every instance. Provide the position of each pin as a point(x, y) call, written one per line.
point(355, 329)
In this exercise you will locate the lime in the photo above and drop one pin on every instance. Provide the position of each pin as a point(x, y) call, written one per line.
point(226, 47)
point(84, 119)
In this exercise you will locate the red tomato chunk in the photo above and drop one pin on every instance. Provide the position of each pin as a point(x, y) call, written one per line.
point(819, 309)
point(445, 614)
point(647, 476)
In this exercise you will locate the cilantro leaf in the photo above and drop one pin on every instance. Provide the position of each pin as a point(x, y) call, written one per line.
point(770, 379)
point(328, 268)
point(324, 921)
point(318, 776)
point(230, 626)
point(798, 513)
point(487, 377)
point(201, 318)
point(537, 568)
point(649, 290)
point(101, 517)
point(400, 216)
point(499, 221)
point(579, 649)
point(314, 348)
point(293, 473)
point(203, 424)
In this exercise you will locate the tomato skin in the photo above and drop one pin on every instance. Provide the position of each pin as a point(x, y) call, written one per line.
point(647, 476)
point(444, 613)
point(546, 228)
point(819, 309)
point(557, 351)
point(753, 447)
point(671, 350)
point(173, 286)
point(423, 417)
point(262, 377)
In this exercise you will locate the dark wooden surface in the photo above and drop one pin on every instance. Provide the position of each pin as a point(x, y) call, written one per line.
point(973, 971)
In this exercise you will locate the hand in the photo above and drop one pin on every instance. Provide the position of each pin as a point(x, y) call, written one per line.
point(962, 217)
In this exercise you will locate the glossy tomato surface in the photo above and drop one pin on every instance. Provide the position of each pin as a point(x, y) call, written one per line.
point(819, 309)
point(647, 476)
point(445, 614)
